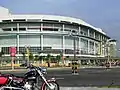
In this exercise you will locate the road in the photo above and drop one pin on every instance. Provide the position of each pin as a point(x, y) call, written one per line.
point(86, 77)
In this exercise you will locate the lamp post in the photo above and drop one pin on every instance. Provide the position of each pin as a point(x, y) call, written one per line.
point(28, 54)
point(73, 33)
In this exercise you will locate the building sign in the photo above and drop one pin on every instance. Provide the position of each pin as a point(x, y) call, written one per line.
point(12, 51)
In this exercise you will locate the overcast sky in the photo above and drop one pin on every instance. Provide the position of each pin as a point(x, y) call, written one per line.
point(104, 14)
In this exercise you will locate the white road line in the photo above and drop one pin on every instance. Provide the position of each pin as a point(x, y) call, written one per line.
point(87, 88)
point(60, 78)
point(66, 75)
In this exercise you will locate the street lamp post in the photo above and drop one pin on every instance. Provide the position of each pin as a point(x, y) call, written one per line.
point(74, 48)
point(28, 54)
point(73, 34)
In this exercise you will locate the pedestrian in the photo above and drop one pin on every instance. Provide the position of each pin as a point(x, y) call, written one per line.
point(74, 67)
point(107, 65)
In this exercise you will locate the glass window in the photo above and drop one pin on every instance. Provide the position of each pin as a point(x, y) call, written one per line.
point(50, 20)
point(50, 29)
point(84, 31)
point(69, 51)
point(91, 47)
point(84, 46)
point(6, 20)
point(14, 29)
point(34, 20)
point(17, 20)
point(6, 29)
point(91, 33)
point(97, 36)
point(22, 29)
point(74, 27)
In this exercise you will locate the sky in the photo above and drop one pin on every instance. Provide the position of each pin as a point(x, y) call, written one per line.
point(104, 14)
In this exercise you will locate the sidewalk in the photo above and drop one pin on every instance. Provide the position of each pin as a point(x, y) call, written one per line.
point(63, 68)
point(99, 67)
point(52, 68)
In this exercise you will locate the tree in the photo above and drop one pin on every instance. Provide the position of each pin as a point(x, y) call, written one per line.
point(31, 56)
point(23, 57)
point(40, 58)
point(36, 58)
point(23, 54)
point(58, 58)
point(1, 54)
point(48, 59)
point(43, 58)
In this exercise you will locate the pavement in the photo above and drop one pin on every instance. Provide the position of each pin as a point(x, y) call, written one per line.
point(87, 77)
point(87, 88)
point(52, 68)
point(61, 68)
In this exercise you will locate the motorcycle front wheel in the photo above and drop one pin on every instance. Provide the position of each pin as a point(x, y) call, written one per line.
point(45, 86)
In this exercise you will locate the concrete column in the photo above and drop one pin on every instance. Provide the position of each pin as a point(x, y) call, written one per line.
point(101, 46)
point(79, 47)
point(63, 46)
point(88, 46)
point(79, 39)
point(63, 40)
point(18, 39)
point(79, 61)
point(88, 32)
point(94, 34)
point(79, 29)
point(89, 61)
point(94, 49)
point(41, 36)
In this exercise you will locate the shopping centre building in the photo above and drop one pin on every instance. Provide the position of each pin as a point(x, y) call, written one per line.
point(50, 34)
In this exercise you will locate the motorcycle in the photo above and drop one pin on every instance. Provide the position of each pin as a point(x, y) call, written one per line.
point(30, 81)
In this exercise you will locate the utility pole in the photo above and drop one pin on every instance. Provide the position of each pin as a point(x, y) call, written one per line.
point(28, 54)
point(73, 34)
point(74, 48)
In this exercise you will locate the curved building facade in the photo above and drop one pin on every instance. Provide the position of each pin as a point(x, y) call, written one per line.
point(50, 34)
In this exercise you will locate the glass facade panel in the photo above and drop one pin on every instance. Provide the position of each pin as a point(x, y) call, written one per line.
point(30, 40)
point(91, 47)
point(8, 40)
point(5, 50)
point(72, 27)
point(11, 25)
point(96, 48)
point(97, 36)
point(84, 31)
point(91, 33)
point(84, 46)
point(52, 41)
point(69, 42)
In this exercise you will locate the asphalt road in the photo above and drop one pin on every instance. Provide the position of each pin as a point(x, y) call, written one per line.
point(86, 77)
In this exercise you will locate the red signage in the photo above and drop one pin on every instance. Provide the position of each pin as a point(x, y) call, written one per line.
point(12, 51)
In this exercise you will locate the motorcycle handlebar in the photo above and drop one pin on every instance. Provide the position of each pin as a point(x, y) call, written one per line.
point(37, 68)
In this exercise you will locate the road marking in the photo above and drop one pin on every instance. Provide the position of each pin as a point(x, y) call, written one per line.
point(60, 78)
point(87, 88)
point(65, 75)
